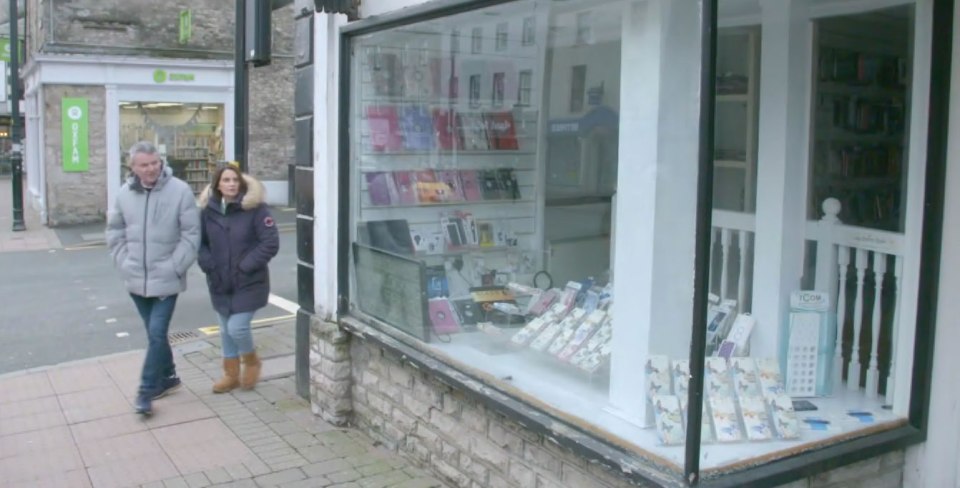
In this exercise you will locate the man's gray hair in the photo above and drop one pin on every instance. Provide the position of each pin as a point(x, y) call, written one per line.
point(142, 147)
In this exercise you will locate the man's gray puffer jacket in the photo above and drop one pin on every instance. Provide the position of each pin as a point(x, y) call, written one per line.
point(154, 235)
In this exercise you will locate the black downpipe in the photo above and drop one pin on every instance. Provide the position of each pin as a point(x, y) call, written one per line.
point(698, 343)
point(16, 124)
point(241, 114)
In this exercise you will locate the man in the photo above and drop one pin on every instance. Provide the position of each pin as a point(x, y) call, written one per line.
point(153, 232)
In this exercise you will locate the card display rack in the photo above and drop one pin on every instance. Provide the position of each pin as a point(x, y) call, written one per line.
point(437, 173)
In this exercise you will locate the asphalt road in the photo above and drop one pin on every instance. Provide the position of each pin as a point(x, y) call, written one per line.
point(63, 305)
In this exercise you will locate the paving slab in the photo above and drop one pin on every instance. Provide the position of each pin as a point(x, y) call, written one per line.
point(73, 425)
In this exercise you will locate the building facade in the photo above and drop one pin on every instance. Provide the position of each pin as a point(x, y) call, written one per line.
point(586, 244)
point(131, 71)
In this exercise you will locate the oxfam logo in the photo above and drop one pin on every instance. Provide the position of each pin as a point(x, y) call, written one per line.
point(75, 113)
point(159, 76)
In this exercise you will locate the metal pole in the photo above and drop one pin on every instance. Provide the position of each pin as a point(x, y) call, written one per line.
point(240, 88)
point(16, 159)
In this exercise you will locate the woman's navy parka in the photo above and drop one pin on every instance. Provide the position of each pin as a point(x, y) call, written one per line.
point(235, 247)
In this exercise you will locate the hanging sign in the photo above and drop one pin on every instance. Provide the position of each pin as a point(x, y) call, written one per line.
point(75, 129)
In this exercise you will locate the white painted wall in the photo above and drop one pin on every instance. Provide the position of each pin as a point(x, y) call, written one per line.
point(934, 463)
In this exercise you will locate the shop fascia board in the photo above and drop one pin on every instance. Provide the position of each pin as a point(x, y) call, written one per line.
point(119, 70)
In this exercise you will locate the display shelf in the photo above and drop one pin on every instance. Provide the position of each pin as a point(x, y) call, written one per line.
point(448, 204)
point(859, 131)
point(410, 115)
point(737, 102)
point(448, 152)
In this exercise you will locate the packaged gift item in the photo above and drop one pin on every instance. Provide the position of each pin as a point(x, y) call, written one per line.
point(723, 412)
point(533, 329)
point(550, 333)
point(745, 380)
point(658, 375)
point(669, 419)
point(681, 377)
point(580, 336)
point(768, 372)
point(756, 422)
point(785, 422)
point(716, 380)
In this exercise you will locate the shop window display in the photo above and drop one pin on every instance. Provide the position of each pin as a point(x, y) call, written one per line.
point(545, 240)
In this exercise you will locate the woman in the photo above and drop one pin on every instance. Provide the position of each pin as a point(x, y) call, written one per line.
point(238, 238)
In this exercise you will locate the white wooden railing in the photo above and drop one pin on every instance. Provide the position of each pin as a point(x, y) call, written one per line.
point(735, 231)
point(840, 247)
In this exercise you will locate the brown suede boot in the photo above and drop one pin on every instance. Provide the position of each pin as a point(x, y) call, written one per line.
point(231, 376)
point(251, 370)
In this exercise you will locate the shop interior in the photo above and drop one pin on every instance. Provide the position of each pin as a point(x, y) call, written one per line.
point(189, 136)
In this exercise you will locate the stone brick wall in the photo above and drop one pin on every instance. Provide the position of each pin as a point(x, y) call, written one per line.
point(145, 26)
point(271, 129)
point(468, 445)
point(74, 198)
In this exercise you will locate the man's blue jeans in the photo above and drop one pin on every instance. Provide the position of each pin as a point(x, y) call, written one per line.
point(156, 314)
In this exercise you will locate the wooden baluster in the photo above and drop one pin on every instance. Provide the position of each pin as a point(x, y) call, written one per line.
point(894, 330)
point(873, 372)
point(843, 260)
point(744, 243)
point(725, 235)
point(853, 371)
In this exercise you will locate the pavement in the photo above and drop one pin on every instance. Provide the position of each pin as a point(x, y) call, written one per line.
point(35, 238)
point(73, 425)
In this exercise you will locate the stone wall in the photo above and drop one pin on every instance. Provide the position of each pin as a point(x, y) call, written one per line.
point(138, 26)
point(74, 198)
point(358, 382)
point(271, 142)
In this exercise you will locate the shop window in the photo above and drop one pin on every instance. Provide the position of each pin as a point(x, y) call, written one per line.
point(189, 136)
point(554, 244)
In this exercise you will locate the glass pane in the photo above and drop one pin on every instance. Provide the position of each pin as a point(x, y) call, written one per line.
point(780, 377)
point(189, 136)
point(503, 175)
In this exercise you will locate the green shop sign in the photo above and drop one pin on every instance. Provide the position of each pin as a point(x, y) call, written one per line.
point(5, 50)
point(162, 76)
point(75, 128)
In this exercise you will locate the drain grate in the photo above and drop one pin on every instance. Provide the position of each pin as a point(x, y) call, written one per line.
point(182, 336)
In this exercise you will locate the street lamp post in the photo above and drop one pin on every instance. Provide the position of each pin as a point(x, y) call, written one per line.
point(16, 159)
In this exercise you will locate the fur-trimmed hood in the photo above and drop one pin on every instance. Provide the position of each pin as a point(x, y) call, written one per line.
point(256, 194)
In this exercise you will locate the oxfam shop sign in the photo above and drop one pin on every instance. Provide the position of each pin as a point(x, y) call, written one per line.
point(163, 76)
point(74, 128)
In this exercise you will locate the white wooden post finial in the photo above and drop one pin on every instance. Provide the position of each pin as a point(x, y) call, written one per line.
point(831, 210)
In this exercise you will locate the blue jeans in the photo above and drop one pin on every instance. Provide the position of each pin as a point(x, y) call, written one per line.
point(235, 335)
point(156, 314)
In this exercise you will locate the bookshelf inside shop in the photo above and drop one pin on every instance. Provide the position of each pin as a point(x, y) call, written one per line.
point(193, 156)
point(735, 147)
point(859, 130)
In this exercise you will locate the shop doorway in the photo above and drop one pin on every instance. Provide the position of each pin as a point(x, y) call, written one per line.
point(189, 136)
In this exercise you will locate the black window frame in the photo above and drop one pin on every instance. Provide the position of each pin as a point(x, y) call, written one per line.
point(604, 451)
